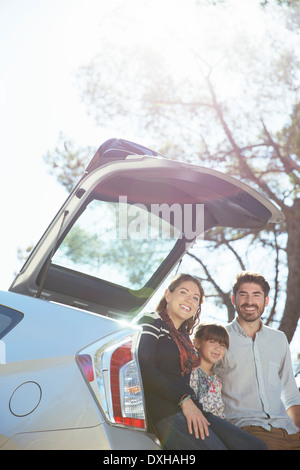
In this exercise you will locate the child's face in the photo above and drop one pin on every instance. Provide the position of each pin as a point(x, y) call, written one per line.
point(211, 351)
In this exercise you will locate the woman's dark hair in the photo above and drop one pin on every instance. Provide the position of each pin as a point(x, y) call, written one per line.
point(177, 281)
point(208, 331)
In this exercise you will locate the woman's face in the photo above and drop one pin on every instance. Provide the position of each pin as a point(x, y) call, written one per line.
point(183, 302)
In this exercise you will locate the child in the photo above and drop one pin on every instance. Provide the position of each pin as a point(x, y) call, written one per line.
point(210, 340)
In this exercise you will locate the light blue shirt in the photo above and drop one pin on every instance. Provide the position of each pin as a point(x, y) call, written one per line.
point(258, 380)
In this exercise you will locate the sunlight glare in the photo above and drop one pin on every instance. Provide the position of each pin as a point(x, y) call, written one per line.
point(2, 93)
point(191, 37)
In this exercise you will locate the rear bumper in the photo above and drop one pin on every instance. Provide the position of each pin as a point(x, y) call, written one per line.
point(101, 437)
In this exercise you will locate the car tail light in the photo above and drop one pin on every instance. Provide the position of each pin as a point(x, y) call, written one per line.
point(111, 369)
point(87, 366)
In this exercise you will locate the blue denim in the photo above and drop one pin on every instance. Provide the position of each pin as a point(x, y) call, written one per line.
point(174, 435)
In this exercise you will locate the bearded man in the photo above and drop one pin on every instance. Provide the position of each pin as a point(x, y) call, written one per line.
point(259, 388)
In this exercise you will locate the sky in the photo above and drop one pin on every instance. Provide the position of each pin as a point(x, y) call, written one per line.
point(42, 45)
point(40, 50)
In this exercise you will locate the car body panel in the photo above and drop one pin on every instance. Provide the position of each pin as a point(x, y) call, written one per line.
point(101, 437)
point(46, 324)
point(41, 351)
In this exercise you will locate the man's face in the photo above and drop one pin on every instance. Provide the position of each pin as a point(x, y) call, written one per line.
point(250, 301)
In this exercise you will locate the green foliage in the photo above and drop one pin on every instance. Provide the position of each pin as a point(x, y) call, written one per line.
point(68, 161)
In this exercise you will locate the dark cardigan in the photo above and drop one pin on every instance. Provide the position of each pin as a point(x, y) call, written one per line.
point(159, 359)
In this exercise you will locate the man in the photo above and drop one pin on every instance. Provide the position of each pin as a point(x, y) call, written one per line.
point(259, 388)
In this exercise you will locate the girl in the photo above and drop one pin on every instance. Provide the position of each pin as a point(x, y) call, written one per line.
point(166, 357)
point(210, 340)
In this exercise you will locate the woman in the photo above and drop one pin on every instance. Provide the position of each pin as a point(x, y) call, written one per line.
point(166, 357)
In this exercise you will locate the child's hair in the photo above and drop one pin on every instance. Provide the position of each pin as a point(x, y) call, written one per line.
point(208, 331)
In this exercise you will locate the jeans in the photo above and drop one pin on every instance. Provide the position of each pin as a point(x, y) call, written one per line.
point(174, 435)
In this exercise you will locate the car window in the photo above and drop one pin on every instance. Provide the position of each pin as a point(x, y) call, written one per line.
point(117, 242)
point(8, 319)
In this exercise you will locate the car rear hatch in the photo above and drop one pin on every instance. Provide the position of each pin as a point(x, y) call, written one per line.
point(127, 223)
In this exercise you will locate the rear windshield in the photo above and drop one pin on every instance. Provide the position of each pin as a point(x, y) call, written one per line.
point(8, 319)
point(117, 242)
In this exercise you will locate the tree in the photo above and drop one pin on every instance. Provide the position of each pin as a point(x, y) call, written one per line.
point(250, 131)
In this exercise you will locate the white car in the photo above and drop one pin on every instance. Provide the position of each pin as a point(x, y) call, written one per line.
point(69, 375)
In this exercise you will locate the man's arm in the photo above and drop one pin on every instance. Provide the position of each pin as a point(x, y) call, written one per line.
point(290, 393)
point(294, 414)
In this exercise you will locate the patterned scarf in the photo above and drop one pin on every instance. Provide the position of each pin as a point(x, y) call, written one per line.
point(188, 356)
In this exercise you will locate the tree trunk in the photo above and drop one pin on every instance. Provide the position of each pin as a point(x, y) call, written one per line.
point(292, 306)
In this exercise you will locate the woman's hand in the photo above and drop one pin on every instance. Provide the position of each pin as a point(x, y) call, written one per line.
point(196, 421)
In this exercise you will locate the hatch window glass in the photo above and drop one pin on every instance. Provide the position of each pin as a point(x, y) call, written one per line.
point(8, 319)
point(118, 242)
